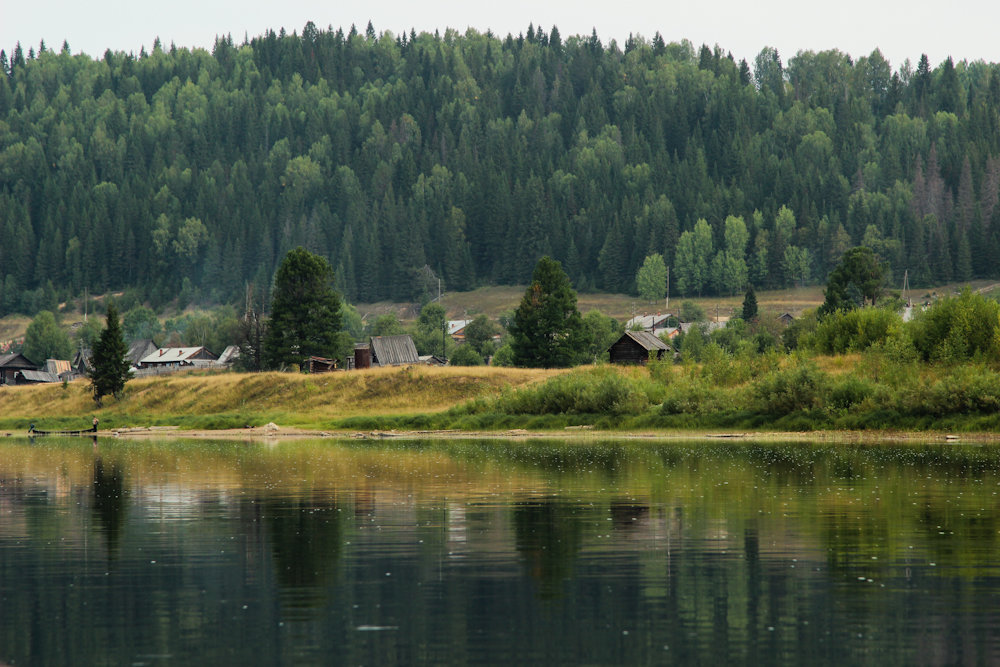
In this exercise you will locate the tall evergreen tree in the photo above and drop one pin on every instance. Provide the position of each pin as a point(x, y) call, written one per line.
point(110, 360)
point(305, 311)
point(547, 330)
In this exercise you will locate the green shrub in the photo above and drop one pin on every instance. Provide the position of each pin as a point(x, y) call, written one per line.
point(800, 386)
point(849, 391)
point(466, 355)
point(855, 330)
point(958, 328)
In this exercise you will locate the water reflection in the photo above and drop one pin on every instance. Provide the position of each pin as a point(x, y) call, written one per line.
point(457, 552)
point(108, 502)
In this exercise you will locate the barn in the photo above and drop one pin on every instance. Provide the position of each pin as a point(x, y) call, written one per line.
point(636, 347)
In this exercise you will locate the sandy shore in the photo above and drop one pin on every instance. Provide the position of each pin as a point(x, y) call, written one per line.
point(274, 432)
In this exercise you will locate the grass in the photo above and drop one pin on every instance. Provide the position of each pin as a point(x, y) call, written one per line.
point(233, 400)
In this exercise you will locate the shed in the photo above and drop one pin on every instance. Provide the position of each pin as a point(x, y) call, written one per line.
point(35, 377)
point(394, 351)
point(321, 364)
point(11, 364)
point(786, 318)
point(362, 356)
point(636, 347)
point(82, 361)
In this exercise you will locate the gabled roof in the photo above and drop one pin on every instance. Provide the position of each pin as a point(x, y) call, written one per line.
point(166, 355)
point(16, 361)
point(39, 376)
point(657, 321)
point(455, 326)
point(230, 354)
point(139, 349)
point(57, 366)
point(647, 340)
point(394, 351)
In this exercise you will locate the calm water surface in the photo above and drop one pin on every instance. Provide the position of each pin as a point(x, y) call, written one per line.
point(497, 552)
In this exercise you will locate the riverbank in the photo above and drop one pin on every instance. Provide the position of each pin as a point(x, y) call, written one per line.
point(767, 396)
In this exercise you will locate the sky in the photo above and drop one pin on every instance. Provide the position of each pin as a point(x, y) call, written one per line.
point(901, 29)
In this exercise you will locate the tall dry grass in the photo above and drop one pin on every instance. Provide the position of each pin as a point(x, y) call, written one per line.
point(223, 400)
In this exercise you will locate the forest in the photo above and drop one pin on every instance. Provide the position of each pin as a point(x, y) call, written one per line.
point(186, 175)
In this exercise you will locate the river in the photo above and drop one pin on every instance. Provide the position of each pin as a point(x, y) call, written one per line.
point(302, 552)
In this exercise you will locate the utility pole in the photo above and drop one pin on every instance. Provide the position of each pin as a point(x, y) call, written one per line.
point(666, 306)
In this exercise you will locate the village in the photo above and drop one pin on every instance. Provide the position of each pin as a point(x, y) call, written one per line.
point(643, 337)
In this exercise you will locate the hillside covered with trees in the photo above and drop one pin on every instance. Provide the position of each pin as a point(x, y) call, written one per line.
point(466, 157)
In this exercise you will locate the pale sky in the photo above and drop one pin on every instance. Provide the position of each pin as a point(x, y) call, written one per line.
point(900, 28)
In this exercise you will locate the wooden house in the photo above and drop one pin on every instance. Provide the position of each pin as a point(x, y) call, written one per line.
point(140, 349)
point(393, 351)
point(176, 358)
point(786, 318)
point(636, 347)
point(12, 364)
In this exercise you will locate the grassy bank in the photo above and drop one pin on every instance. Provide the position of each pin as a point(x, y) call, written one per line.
point(769, 392)
point(233, 400)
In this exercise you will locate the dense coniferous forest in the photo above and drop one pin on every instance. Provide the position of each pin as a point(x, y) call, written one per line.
point(465, 157)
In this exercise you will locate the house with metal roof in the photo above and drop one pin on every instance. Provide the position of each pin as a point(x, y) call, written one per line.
point(176, 358)
point(651, 323)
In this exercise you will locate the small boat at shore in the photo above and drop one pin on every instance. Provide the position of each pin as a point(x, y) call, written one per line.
point(85, 431)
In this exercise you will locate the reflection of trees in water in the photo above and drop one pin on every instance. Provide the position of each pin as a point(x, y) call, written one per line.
point(548, 535)
point(306, 538)
point(109, 501)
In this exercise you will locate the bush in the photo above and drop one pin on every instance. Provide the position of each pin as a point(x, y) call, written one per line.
point(800, 386)
point(958, 328)
point(855, 330)
point(465, 355)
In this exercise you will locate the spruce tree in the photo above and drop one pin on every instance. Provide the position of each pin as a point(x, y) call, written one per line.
point(547, 331)
point(750, 305)
point(110, 360)
point(305, 311)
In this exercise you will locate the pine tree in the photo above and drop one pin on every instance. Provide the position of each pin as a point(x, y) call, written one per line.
point(110, 360)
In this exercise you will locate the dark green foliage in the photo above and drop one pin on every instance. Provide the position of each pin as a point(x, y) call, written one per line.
point(466, 355)
point(547, 330)
point(749, 312)
point(187, 174)
point(430, 333)
point(479, 334)
point(305, 311)
point(857, 281)
point(44, 339)
point(110, 361)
